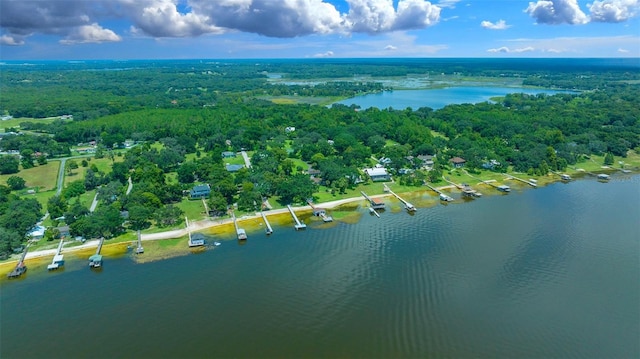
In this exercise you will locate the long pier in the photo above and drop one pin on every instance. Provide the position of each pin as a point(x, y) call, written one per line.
point(298, 224)
point(534, 185)
point(95, 261)
point(266, 222)
point(467, 191)
point(139, 249)
point(240, 232)
point(373, 202)
point(407, 205)
point(443, 197)
point(20, 268)
point(58, 259)
point(563, 176)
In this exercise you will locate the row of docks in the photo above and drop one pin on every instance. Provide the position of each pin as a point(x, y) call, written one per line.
point(502, 188)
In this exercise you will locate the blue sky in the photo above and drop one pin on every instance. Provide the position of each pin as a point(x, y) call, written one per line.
point(174, 29)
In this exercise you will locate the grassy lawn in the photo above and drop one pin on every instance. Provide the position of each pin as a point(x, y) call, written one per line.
point(41, 178)
point(86, 198)
point(15, 122)
point(193, 209)
point(103, 165)
point(238, 160)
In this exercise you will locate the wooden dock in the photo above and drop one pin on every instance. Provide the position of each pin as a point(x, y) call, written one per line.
point(563, 176)
point(269, 230)
point(443, 197)
point(20, 268)
point(374, 203)
point(58, 259)
point(298, 224)
point(532, 184)
point(320, 212)
point(95, 261)
point(240, 232)
point(466, 190)
point(139, 249)
point(408, 206)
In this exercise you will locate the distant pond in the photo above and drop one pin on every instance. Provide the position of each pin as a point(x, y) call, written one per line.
point(438, 98)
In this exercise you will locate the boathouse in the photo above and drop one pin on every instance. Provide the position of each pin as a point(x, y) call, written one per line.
point(200, 191)
point(196, 239)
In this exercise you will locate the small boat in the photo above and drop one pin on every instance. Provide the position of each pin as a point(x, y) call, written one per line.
point(371, 210)
point(216, 243)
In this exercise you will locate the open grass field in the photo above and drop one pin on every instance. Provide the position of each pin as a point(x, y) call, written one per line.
point(15, 122)
point(42, 178)
point(103, 165)
point(193, 209)
point(292, 100)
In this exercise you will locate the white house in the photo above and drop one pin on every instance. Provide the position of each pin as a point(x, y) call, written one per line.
point(377, 173)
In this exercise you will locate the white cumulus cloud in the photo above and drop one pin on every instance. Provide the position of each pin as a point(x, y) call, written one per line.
point(614, 10)
point(77, 21)
point(376, 16)
point(324, 54)
point(93, 33)
point(557, 12)
point(505, 49)
point(11, 40)
point(390, 48)
point(500, 25)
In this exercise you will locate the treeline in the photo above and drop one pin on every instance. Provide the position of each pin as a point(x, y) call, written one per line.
point(96, 89)
point(516, 131)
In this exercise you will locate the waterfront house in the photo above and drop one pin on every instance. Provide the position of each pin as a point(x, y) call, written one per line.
point(63, 231)
point(377, 174)
point(36, 233)
point(426, 160)
point(457, 162)
point(200, 191)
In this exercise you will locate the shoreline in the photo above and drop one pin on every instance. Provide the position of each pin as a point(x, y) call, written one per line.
point(197, 226)
point(209, 223)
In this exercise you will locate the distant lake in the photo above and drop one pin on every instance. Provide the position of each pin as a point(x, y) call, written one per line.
point(438, 98)
point(538, 273)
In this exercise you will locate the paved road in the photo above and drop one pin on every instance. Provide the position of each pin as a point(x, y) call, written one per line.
point(247, 161)
point(63, 162)
point(63, 165)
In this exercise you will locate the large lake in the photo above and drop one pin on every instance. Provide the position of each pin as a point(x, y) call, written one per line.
point(437, 98)
point(551, 272)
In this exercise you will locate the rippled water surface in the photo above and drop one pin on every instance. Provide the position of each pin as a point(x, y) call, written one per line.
point(551, 272)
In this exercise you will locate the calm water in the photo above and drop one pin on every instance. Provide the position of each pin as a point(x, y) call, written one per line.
point(437, 98)
point(550, 272)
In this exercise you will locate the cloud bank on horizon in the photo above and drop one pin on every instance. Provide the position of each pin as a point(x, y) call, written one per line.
point(350, 27)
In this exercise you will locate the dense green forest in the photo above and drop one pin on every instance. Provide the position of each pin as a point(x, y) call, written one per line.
point(524, 133)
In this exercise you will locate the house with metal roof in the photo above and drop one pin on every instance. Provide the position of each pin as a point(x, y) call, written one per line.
point(200, 191)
